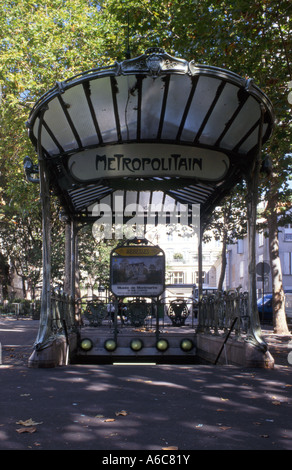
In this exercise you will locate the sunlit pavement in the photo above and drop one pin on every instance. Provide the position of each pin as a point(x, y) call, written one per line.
point(141, 407)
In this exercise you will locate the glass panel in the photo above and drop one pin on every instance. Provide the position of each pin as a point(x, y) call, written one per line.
point(144, 199)
point(252, 140)
point(178, 94)
point(58, 124)
point(101, 97)
point(170, 204)
point(223, 111)
point(47, 141)
point(202, 100)
point(131, 197)
point(157, 197)
point(247, 117)
point(127, 99)
point(152, 96)
point(80, 114)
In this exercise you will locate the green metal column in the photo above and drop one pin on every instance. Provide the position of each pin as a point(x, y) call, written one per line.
point(200, 327)
point(46, 310)
point(254, 333)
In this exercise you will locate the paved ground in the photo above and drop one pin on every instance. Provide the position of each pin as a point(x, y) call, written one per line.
point(141, 408)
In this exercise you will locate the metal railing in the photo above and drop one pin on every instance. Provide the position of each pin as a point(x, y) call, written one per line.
point(63, 312)
point(214, 314)
point(133, 313)
point(218, 311)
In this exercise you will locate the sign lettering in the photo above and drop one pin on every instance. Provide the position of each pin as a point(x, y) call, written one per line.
point(121, 163)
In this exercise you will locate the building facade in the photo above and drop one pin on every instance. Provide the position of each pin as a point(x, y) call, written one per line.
point(237, 262)
point(181, 259)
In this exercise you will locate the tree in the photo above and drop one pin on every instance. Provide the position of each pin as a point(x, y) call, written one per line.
point(278, 212)
point(94, 259)
point(21, 235)
point(39, 44)
point(279, 314)
point(4, 277)
point(228, 223)
point(21, 238)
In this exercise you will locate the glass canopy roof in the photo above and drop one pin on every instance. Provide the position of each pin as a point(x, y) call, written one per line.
point(147, 124)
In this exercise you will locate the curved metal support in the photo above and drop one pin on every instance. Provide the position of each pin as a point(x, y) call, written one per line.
point(30, 169)
point(44, 327)
point(254, 335)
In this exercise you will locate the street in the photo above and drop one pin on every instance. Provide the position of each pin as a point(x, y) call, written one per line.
point(173, 408)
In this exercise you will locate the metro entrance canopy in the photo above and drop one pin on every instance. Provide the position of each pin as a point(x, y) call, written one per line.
point(151, 123)
point(150, 127)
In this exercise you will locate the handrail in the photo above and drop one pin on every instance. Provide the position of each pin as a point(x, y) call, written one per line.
point(226, 339)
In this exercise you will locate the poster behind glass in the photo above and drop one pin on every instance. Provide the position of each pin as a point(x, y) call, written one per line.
point(137, 275)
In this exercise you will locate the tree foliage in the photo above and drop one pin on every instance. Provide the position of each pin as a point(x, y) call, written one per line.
point(94, 259)
point(229, 224)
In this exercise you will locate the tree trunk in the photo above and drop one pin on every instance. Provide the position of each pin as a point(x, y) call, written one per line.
point(279, 314)
point(23, 286)
point(223, 262)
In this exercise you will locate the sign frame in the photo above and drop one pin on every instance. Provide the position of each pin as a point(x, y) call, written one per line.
point(144, 160)
point(137, 271)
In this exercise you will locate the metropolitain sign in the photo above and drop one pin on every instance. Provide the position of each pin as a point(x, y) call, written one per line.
point(148, 160)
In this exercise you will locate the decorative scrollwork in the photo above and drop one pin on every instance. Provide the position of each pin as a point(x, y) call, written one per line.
point(155, 61)
point(95, 313)
point(178, 312)
point(137, 312)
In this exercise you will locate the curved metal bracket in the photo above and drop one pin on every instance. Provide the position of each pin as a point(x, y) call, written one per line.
point(30, 170)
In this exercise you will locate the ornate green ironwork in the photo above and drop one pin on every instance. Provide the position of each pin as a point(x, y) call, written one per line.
point(178, 312)
point(137, 311)
point(96, 312)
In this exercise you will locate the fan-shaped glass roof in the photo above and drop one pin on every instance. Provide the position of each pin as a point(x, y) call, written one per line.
point(147, 124)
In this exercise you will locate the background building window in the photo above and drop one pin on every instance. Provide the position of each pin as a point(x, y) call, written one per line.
point(287, 268)
point(240, 246)
point(261, 238)
point(241, 269)
point(205, 277)
point(288, 233)
point(177, 277)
